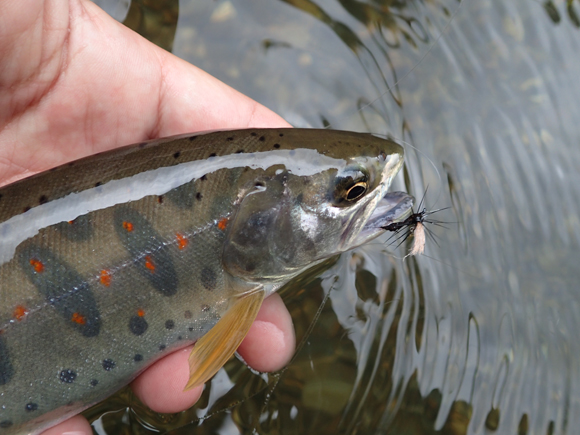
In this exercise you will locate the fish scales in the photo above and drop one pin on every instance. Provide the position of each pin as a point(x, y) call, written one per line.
point(110, 262)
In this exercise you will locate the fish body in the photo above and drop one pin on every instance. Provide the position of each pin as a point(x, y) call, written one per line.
point(110, 262)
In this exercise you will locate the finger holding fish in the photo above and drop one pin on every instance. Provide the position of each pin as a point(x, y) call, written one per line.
point(268, 346)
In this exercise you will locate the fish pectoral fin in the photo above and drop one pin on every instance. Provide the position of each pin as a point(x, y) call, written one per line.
point(216, 347)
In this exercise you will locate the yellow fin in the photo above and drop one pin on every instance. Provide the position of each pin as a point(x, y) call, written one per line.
point(216, 347)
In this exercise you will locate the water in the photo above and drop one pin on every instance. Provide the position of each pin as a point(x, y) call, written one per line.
point(478, 336)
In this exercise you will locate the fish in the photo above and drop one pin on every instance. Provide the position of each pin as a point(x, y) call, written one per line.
point(111, 262)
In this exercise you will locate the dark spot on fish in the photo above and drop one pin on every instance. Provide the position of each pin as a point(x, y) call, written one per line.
point(205, 308)
point(142, 145)
point(212, 154)
point(276, 145)
point(158, 266)
point(170, 324)
point(253, 133)
point(68, 376)
point(240, 151)
point(6, 369)
point(109, 364)
point(98, 183)
point(187, 314)
point(281, 134)
point(26, 209)
point(192, 137)
point(183, 196)
point(229, 139)
point(70, 164)
point(203, 178)
point(179, 337)
point(160, 199)
point(177, 154)
point(31, 406)
point(94, 383)
point(190, 328)
point(198, 196)
point(5, 424)
point(262, 139)
point(138, 357)
point(208, 278)
point(42, 200)
point(62, 287)
point(138, 325)
point(161, 347)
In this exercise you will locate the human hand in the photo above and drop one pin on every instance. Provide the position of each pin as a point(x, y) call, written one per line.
point(74, 82)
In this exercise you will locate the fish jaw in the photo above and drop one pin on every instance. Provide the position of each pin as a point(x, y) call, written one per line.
point(393, 207)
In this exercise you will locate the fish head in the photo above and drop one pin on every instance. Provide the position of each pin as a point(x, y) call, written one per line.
point(289, 218)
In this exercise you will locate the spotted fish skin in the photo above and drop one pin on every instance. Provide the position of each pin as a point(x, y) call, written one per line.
point(111, 262)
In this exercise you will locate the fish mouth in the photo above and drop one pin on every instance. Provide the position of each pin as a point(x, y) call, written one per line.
point(393, 207)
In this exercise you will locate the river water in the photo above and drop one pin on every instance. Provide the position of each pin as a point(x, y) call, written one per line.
point(477, 336)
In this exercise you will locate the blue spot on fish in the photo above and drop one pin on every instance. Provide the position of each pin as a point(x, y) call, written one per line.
point(146, 246)
point(109, 364)
point(138, 325)
point(31, 407)
point(68, 376)
point(63, 287)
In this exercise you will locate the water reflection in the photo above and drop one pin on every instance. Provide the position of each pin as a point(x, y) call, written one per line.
point(477, 336)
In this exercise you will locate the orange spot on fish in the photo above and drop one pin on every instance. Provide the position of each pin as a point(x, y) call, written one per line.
point(71, 222)
point(140, 313)
point(128, 226)
point(20, 312)
point(149, 263)
point(105, 278)
point(181, 241)
point(223, 223)
point(38, 266)
point(78, 318)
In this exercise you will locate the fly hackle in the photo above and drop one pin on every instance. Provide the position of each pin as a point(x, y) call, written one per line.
point(414, 225)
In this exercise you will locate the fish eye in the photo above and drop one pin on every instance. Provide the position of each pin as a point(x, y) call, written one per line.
point(356, 191)
point(350, 186)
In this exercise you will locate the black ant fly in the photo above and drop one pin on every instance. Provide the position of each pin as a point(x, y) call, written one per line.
point(416, 227)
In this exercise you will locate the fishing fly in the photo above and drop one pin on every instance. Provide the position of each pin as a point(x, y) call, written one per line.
point(415, 226)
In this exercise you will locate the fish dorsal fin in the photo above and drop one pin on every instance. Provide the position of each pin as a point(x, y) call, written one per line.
point(216, 347)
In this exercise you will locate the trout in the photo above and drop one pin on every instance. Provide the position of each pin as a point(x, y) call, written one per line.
point(110, 262)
